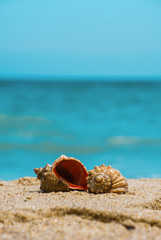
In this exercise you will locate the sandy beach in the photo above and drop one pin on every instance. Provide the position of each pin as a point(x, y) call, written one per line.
point(28, 213)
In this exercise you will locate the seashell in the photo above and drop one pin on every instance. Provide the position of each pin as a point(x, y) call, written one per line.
point(64, 174)
point(105, 179)
point(48, 181)
point(71, 171)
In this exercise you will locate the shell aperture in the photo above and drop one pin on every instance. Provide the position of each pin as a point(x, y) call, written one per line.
point(71, 171)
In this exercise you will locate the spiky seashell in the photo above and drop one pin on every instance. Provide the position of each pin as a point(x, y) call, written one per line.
point(48, 181)
point(105, 179)
point(64, 174)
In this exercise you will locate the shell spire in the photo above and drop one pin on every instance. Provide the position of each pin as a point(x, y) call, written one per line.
point(48, 181)
point(105, 179)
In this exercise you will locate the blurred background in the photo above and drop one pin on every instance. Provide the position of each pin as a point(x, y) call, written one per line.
point(81, 79)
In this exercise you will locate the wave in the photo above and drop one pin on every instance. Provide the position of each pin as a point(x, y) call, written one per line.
point(49, 147)
point(131, 140)
point(30, 127)
point(24, 119)
point(25, 127)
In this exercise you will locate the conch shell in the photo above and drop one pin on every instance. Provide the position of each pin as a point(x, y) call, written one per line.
point(105, 179)
point(48, 181)
point(64, 174)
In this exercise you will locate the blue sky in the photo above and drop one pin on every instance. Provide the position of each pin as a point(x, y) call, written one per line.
point(64, 38)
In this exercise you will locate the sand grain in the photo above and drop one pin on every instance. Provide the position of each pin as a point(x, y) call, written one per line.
point(28, 213)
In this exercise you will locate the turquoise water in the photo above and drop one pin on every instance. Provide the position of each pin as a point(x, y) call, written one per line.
point(118, 124)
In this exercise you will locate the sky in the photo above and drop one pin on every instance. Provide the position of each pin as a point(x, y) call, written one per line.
point(87, 38)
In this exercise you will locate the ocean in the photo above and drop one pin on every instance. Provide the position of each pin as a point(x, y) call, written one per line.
point(112, 123)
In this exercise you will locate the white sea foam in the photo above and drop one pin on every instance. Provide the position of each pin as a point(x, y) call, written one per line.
point(154, 175)
point(121, 140)
point(131, 140)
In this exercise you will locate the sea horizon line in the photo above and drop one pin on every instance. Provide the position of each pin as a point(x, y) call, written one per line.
point(78, 78)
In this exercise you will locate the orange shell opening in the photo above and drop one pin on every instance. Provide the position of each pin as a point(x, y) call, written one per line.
point(72, 172)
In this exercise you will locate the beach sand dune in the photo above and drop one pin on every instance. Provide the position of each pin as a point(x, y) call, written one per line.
point(28, 213)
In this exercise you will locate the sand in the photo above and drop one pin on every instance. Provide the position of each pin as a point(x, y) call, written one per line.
point(28, 213)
